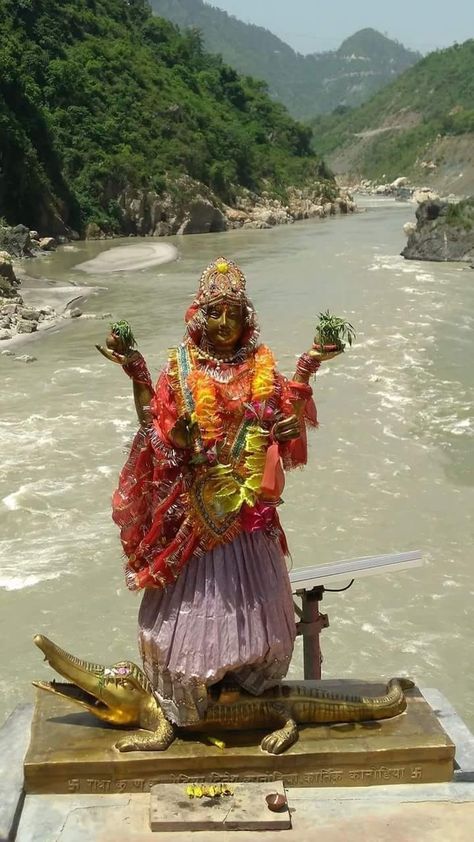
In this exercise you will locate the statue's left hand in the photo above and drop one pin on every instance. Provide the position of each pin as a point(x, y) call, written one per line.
point(287, 429)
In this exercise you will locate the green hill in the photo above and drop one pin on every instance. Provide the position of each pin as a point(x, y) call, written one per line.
point(99, 96)
point(307, 85)
point(399, 130)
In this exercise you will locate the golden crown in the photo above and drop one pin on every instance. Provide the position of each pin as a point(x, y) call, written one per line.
point(221, 279)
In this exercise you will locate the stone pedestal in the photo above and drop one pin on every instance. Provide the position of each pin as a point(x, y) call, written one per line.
point(71, 752)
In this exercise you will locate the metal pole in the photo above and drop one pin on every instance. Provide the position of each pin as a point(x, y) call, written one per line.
point(311, 624)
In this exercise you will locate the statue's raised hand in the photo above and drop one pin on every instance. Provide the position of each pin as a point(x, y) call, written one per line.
point(120, 349)
point(119, 344)
point(324, 354)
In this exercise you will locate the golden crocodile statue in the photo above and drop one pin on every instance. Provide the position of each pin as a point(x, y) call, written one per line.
point(122, 695)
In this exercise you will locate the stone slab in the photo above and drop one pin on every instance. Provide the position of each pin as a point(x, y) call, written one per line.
point(172, 810)
point(14, 738)
point(71, 751)
point(384, 814)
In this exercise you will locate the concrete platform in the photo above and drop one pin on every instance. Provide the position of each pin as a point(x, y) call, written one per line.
point(425, 812)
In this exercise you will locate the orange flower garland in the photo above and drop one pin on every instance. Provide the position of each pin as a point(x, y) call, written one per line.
point(230, 494)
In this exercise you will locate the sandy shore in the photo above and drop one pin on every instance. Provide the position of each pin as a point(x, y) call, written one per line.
point(130, 258)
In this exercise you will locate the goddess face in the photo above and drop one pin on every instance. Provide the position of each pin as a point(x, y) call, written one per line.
point(224, 325)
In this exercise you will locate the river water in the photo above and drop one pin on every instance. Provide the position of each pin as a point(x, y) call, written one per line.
point(391, 466)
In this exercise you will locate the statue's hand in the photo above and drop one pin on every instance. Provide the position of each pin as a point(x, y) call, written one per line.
point(286, 429)
point(114, 357)
point(116, 350)
point(323, 356)
point(183, 433)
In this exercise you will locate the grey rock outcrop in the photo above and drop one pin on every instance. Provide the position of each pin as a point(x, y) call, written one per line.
point(8, 280)
point(189, 207)
point(16, 241)
point(443, 232)
point(203, 217)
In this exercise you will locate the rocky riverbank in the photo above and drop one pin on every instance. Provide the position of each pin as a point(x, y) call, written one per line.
point(444, 231)
point(400, 189)
point(30, 307)
point(189, 207)
point(192, 208)
point(16, 318)
point(19, 241)
point(19, 319)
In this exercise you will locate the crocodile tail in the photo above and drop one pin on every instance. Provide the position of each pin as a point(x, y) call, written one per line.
point(319, 706)
point(388, 705)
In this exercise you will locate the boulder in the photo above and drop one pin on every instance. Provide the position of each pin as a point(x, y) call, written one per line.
point(442, 234)
point(47, 244)
point(16, 241)
point(202, 217)
point(425, 194)
point(93, 232)
point(275, 215)
point(26, 326)
point(401, 181)
point(256, 225)
point(5, 334)
point(34, 235)
point(9, 309)
point(236, 217)
point(25, 358)
point(25, 313)
point(8, 280)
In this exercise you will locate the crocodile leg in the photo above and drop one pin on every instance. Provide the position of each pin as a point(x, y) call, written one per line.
point(278, 741)
point(159, 740)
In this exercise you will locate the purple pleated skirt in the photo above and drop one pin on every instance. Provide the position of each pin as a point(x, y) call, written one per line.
point(230, 611)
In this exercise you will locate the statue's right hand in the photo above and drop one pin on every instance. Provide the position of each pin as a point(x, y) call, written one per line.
point(113, 356)
point(116, 350)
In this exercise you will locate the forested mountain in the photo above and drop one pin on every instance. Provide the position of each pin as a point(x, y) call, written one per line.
point(307, 85)
point(100, 96)
point(399, 130)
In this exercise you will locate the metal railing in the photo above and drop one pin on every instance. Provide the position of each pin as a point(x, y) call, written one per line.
point(308, 584)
